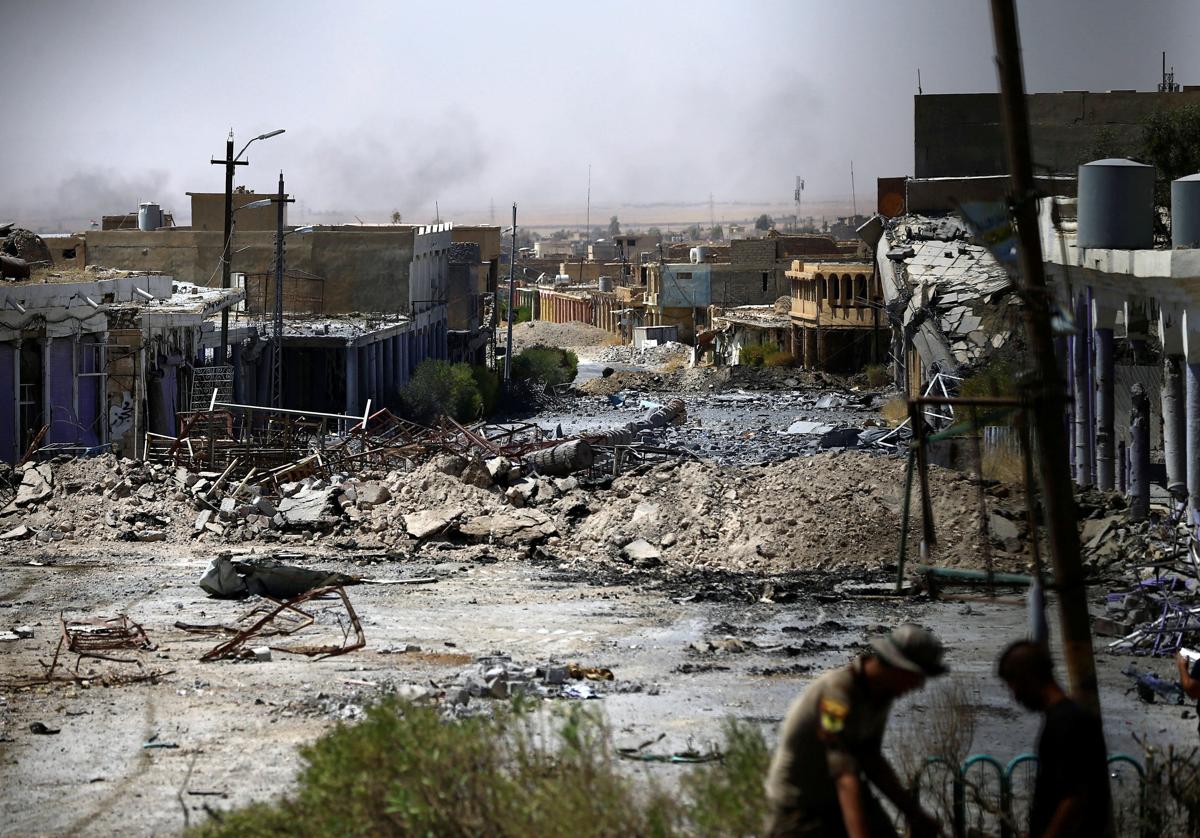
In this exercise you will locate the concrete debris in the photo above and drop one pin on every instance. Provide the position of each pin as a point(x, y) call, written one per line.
point(430, 522)
point(642, 553)
point(516, 527)
point(308, 507)
point(36, 485)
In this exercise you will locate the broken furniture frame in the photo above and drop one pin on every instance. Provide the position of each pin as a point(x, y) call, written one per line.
point(266, 626)
point(95, 637)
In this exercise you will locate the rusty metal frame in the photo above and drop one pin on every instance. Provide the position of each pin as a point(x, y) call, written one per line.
point(234, 646)
point(91, 638)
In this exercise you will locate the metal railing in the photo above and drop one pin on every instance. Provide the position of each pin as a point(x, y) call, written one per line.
point(985, 805)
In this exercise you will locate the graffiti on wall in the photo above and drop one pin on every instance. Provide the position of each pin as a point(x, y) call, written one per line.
point(120, 417)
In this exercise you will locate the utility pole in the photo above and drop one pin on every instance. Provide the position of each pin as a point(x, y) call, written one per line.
point(229, 162)
point(281, 201)
point(853, 192)
point(1048, 400)
point(512, 265)
point(799, 196)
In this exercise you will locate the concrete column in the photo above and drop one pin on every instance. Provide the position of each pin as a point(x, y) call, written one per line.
point(1174, 414)
point(1191, 351)
point(364, 375)
point(822, 348)
point(1139, 454)
point(377, 371)
point(239, 374)
point(1104, 320)
point(389, 371)
point(350, 360)
point(1105, 373)
point(1083, 396)
point(810, 348)
point(1193, 433)
point(16, 402)
point(47, 379)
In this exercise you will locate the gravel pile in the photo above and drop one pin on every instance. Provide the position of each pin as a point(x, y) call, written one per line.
point(560, 335)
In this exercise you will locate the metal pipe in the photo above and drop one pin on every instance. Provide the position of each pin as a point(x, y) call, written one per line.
point(1139, 454)
point(1105, 448)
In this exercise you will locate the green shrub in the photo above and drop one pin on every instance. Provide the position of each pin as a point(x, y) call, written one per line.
point(438, 388)
point(878, 375)
point(524, 313)
point(755, 355)
point(488, 383)
point(543, 363)
point(728, 797)
point(405, 771)
point(996, 378)
point(779, 359)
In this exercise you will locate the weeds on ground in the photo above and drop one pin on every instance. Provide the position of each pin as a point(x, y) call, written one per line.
point(779, 359)
point(405, 771)
point(878, 375)
point(755, 355)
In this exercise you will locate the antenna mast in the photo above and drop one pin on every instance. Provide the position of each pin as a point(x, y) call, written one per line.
point(853, 194)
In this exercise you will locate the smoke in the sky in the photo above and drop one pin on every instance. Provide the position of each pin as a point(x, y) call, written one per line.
point(398, 165)
point(90, 193)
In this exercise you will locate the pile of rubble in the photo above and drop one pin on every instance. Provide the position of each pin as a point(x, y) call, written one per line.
point(20, 250)
point(821, 513)
point(563, 335)
point(648, 356)
point(824, 512)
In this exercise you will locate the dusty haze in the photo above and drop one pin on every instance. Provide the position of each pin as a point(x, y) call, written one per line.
point(393, 106)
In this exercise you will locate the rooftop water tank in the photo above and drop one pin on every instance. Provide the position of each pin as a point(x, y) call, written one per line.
point(149, 216)
point(605, 283)
point(1116, 205)
point(698, 254)
point(1185, 211)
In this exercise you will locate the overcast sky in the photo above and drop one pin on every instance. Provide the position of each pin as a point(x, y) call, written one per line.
point(393, 105)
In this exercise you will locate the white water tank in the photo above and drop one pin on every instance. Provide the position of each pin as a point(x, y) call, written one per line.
point(1185, 211)
point(1116, 205)
point(150, 216)
point(698, 254)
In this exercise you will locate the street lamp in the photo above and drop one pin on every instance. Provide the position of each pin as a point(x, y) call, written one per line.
point(231, 160)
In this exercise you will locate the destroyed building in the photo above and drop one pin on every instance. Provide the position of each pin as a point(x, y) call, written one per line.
point(96, 364)
point(948, 302)
point(337, 362)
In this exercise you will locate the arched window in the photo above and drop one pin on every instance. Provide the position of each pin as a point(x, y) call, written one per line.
point(847, 290)
point(822, 289)
point(860, 290)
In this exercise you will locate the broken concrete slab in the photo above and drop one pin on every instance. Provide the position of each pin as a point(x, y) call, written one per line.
point(517, 526)
point(430, 522)
point(372, 493)
point(306, 507)
point(17, 533)
point(37, 484)
point(203, 519)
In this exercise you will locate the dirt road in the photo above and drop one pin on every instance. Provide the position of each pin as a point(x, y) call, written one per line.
point(236, 725)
